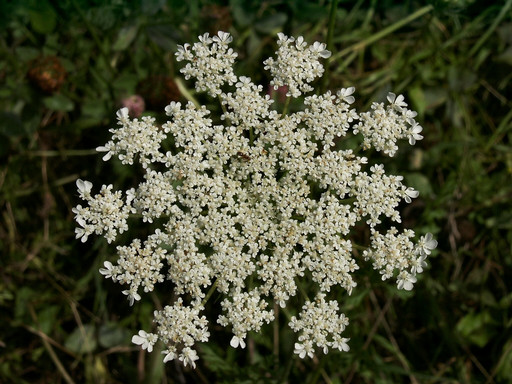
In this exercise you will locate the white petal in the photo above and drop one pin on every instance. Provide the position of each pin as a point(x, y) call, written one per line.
point(84, 186)
point(122, 115)
point(234, 342)
point(169, 356)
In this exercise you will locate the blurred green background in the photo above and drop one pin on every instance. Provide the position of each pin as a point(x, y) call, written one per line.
point(67, 66)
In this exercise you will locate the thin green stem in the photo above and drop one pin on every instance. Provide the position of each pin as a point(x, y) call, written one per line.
point(224, 109)
point(302, 290)
point(330, 47)
point(251, 136)
point(63, 153)
point(209, 294)
point(185, 92)
point(488, 33)
point(286, 105)
point(276, 335)
point(386, 31)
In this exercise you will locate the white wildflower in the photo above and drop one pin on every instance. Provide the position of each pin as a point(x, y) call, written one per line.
point(145, 340)
point(245, 203)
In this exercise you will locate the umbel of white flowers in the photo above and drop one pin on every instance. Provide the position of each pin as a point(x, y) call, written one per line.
point(231, 206)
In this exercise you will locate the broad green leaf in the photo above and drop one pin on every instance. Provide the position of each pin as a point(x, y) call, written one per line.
point(125, 37)
point(417, 97)
point(25, 54)
point(243, 12)
point(214, 360)
point(110, 335)
point(271, 23)
point(43, 17)
point(504, 367)
point(24, 295)
point(476, 327)
point(82, 339)
point(150, 7)
point(434, 97)
point(48, 318)
point(419, 182)
point(165, 36)
point(58, 103)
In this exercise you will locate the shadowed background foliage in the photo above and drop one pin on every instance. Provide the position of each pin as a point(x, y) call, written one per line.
point(65, 68)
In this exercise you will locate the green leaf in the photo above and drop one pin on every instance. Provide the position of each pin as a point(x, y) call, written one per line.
point(476, 328)
point(504, 368)
point(48, 318)
point(23, 296)
point(110, 335)
point(150, 7)
point(164, 36)
point(125, 37)
point(82, 340)
point(212, 355)
point(25, 54)
point(355, 300)
point(417, 97)
point(434, 97)
point(243, 13)
point(271, 23)
point(58, 103)
point(43, 18)
point(419, 182)
point(506, 56)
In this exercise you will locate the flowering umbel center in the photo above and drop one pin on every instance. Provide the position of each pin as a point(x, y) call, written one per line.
point(255, 204)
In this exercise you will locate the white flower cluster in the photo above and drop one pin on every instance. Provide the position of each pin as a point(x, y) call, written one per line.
point(321, 326)
point(106, 214)
point(395, 251)
point(382, 127)
point(296, 65)
point(137, 137)
point(210, 62)
point(252, 205)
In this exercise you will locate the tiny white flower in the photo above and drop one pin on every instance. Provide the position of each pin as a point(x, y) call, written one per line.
point(320, 49)
point(122, 115)
point(145, 340)
point(223, 38)
point(107, 271)
point(281, 36)
point(414, 133)
point(237, 341)
point(406, 281)
point(426, 244)
point(410, 193)
point(418, 264)
point(172, 108)
point(397, 101)
point(345, 94)
point(300, 350)
point(84, 187)
point(342, 345)
point(132, 295)
point(109, 153)
point(81, 234)
point(188, 356)
point(205, 38)
point(183, 52)
point(169, 355)
point(300, 43)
